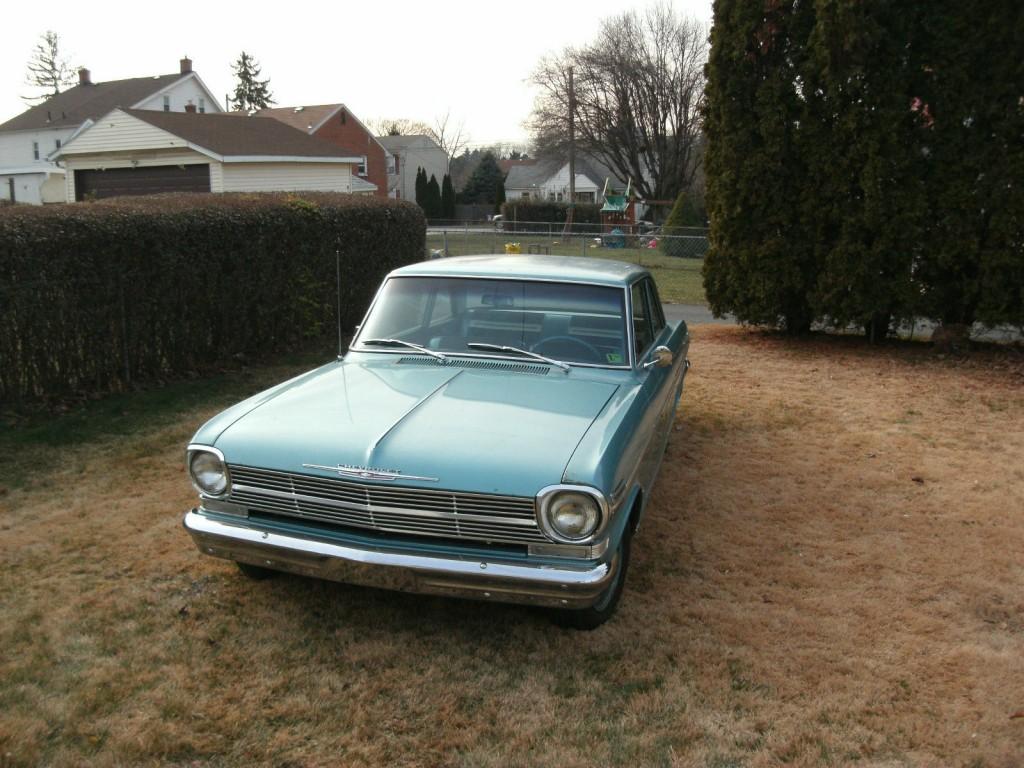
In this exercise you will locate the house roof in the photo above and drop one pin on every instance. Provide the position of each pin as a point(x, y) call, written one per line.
point(74, 106)
point(398, 143)
point(231, 135)
point(305, 118)
point(360, 184)
point(532, 176)
point(309, 118)
point(528, 176)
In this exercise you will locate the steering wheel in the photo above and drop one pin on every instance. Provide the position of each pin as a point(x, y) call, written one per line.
point(588, 348)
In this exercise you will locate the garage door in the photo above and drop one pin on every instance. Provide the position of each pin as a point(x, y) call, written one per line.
point(142, 181)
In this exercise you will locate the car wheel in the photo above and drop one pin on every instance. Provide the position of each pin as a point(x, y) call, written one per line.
point(255, 572)
point(603, 609)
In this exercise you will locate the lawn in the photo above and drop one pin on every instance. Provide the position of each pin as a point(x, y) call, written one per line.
point(829, 574)
point(679, 279)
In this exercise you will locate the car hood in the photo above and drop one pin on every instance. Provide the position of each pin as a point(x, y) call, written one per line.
point(473, 430)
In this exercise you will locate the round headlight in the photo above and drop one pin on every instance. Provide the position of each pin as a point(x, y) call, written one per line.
point(209, 473)
point(574, 515)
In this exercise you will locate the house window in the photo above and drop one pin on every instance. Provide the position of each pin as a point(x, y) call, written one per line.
point(392, 165)
point(551, 196)
point(35, 150)
point(525, 195)
point(57, 143)
point(361, 168)
point(202, 105)
point(559, 197)
point(167, 103)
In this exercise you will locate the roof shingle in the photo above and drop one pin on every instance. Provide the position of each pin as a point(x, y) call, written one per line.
point(74, 106)
point(231, 135)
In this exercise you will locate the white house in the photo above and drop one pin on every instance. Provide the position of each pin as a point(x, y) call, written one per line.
point(138, 152)
point(28, 142)
point(407, 153)
point(539, 181)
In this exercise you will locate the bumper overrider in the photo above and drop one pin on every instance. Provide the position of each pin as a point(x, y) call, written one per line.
point(562, 586)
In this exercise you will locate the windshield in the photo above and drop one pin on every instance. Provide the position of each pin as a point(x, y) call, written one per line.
point(562, 321)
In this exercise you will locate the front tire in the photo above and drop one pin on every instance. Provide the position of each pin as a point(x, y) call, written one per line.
point(255, 572)
point(591, 618)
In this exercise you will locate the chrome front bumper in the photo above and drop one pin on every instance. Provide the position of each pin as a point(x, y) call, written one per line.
point(387, 568)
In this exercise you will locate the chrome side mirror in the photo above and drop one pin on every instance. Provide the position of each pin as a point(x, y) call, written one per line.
point(661, 358)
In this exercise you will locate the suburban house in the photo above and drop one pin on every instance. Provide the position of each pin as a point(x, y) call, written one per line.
point(139, 151)
point(336, 123)
point(30, 141)
point(544, 181)
point(409, 153)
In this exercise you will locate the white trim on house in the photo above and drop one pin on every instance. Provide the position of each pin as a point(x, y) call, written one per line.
point(175, 84)
point(282, 159)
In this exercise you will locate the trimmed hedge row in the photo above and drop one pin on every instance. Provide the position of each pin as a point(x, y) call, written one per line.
point(95, 296)
point(522, 215)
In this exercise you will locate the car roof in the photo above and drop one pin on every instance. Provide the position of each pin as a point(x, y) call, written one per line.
point(567, 269)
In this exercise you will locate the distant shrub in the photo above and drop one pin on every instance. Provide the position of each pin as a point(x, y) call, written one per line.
point(93, 296)
point(519, 214)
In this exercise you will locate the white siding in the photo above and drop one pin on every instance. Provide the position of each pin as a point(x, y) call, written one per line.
point(286, 177)
point(180, 93)
point(424, 154)
point(119, 132)
point(16, 146)
point(27, 187)
point(559, 185)
point(174, 157)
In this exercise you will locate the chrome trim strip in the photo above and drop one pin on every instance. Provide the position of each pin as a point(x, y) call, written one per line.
point(197, 448)
point(628, 319)
point(565, 586)
point(400, 419)
point(328, 502)
point(544, 497)
point(368, 474)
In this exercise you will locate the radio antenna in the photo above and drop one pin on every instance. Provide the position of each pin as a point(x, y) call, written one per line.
point(337, 265)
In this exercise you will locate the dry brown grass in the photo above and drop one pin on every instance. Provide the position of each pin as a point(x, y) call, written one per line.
point(829, 572)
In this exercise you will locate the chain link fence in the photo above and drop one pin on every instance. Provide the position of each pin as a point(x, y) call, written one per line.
point(641, 243)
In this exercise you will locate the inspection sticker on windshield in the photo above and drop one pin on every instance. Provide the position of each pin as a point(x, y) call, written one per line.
point(614, 357)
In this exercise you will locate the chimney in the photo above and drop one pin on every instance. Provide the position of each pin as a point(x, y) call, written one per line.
point(83, 77)
point(190, 107)
point(186, 65)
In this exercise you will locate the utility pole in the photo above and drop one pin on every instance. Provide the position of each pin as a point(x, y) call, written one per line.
point(572, 155)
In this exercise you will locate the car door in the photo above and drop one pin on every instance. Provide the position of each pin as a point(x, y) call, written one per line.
point(650, 331)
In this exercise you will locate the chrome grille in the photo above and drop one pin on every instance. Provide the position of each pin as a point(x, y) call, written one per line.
point(414, 511)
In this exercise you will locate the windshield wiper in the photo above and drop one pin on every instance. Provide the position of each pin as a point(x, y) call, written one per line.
point(528, 353)
point(409, 344)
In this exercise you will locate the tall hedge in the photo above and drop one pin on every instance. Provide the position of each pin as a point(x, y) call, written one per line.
point(864, 162)
point(93, 296)
point(518, 215)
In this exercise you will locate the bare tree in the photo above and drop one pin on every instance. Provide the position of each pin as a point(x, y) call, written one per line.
point(639, 95)
point(398, 126)
point(48, 70)
point(451, 138)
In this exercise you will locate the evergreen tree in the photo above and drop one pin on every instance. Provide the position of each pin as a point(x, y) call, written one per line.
point(685, 213)
point(48, 70)
point(761, 264)
point(432, 201)
point(421, 187)
point(499, 194)
point(251, 93)
point(447, 198)
point(863, 163)
point(483, 183)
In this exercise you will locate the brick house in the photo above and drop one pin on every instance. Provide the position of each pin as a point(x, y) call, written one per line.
point(336, 124)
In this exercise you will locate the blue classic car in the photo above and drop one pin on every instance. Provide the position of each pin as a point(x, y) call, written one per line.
point(493, 433)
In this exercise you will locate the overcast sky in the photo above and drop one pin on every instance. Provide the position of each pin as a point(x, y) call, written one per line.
point(382, 59)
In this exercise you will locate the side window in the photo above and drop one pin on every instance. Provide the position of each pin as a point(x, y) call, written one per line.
point(643, 335)
point(657, 313)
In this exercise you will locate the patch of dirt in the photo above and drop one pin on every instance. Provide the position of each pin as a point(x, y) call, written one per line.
point(829, 572)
